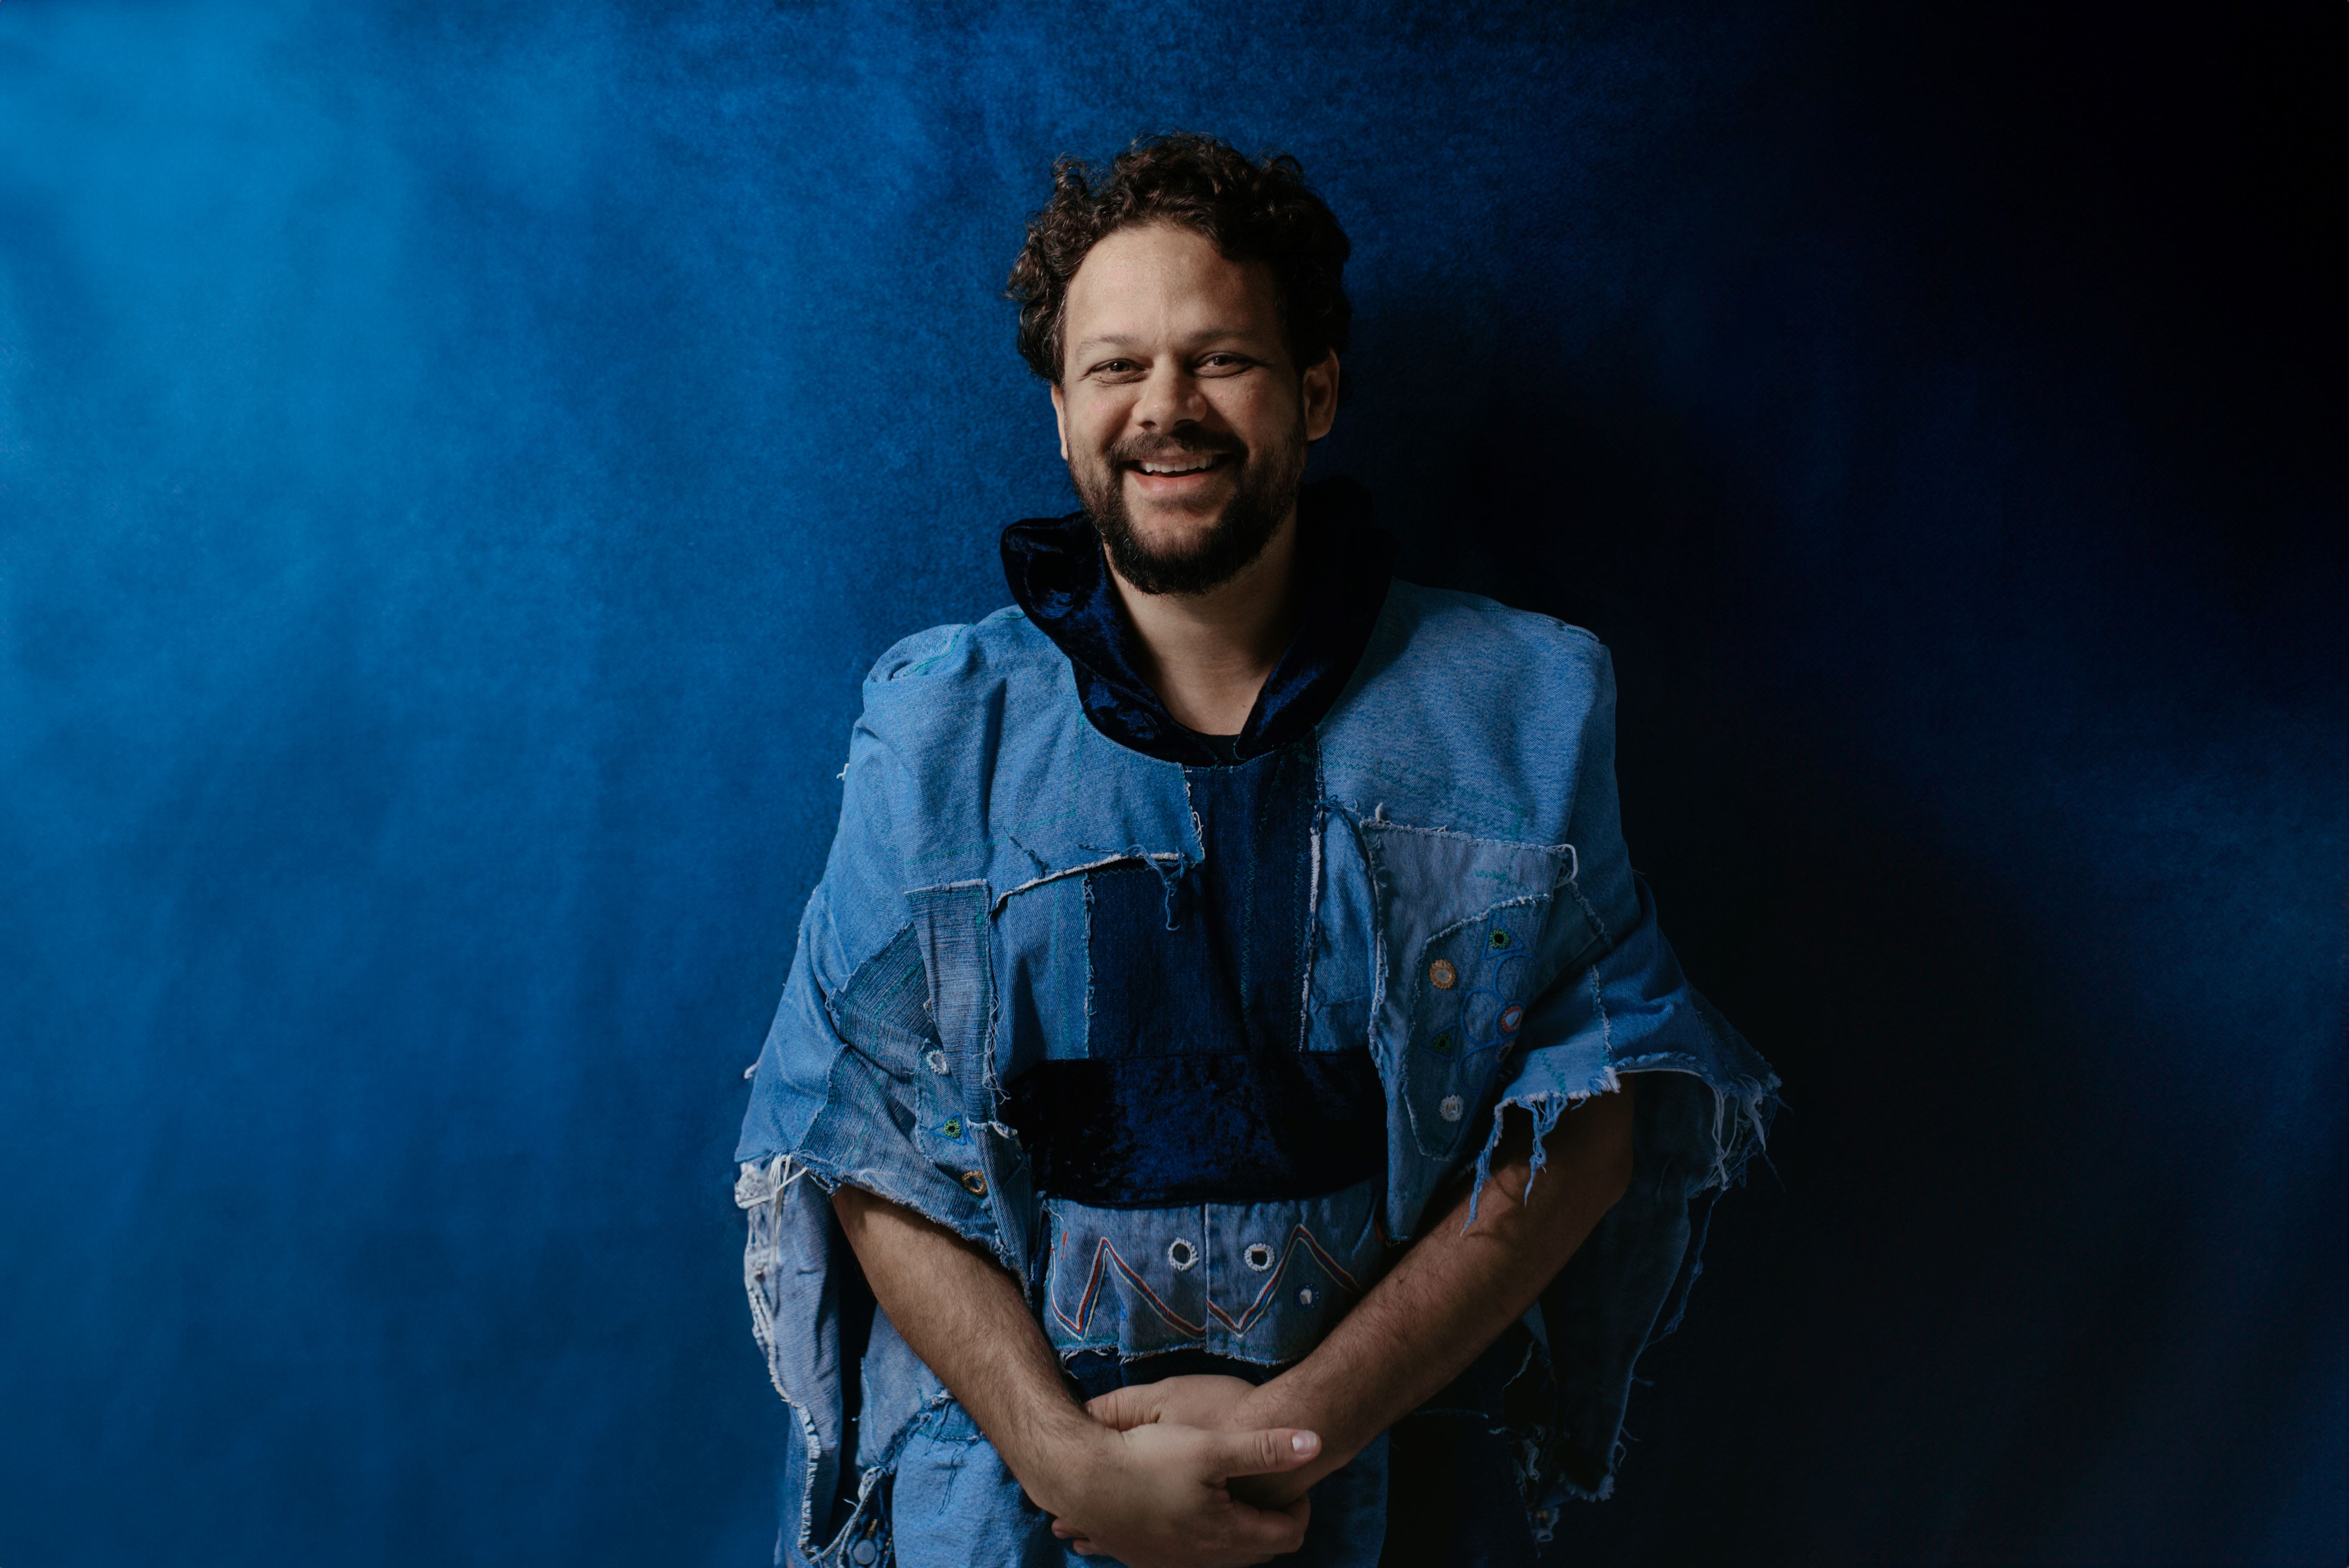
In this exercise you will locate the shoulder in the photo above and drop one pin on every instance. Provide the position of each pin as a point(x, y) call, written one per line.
point(938, 677)
point(941, 657)
point(1445, 627)
point(1466, 713)
point(973, 737)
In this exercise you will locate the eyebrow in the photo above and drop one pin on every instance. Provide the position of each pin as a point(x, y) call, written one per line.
point(1122, 340)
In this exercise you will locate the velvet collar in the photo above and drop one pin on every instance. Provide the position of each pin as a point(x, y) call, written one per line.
point(1060, 579)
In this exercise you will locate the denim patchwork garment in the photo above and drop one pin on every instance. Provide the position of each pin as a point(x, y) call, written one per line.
point(1190, 1033)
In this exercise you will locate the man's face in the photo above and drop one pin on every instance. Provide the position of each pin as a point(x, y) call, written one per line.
point(1184, 424)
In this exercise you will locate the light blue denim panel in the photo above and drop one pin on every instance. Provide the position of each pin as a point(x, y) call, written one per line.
point(1469, 715)
point(955, 1505)
point(987, 744)
point(1469, 933)
point(788, 1269)
point(1633, 1011)
point(957, 1129)
point(1132, 1281)
point(1252, 1282)
point(1470, 985)
point(1281, 1275)
point(789, 1081)
point(1043, 974)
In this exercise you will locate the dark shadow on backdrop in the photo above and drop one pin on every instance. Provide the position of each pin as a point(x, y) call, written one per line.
point(1966, 1245)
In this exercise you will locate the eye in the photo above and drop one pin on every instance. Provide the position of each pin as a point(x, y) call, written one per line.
point(1224, 364)
point(1115, 369)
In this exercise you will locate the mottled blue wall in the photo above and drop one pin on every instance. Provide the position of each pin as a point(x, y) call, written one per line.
point(455, 463)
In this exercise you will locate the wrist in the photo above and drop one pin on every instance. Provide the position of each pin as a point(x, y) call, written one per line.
point(1288, 1402)
point(1061, 1456)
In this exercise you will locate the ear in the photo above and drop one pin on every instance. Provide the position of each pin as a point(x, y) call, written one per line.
point(1319, 390)
point(1061, 419)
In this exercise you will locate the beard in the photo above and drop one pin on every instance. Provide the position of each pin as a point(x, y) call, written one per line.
point(1264, 492)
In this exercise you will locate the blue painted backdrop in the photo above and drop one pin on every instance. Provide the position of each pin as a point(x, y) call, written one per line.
point(456, 462)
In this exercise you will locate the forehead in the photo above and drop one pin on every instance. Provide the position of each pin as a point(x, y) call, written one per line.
point(1158, 281)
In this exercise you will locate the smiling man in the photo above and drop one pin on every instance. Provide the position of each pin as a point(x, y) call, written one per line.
point(1231, 1097)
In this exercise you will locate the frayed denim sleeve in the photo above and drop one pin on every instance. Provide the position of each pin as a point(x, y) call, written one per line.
point(1631, 1010)
point(855, 911)
point(1618, 1003)
point(877, 1071)
point(867, 1079)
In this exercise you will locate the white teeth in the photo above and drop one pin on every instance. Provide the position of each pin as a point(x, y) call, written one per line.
point(1160, 470)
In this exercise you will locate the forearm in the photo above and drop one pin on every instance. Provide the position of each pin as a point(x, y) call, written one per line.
point(1153, 1499)
point(962, 1315)
point(1458, 1288)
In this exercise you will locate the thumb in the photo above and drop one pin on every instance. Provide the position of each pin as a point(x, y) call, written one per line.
point(1264, 1452)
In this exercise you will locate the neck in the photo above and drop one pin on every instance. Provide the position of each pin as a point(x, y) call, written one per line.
point(1208, 655)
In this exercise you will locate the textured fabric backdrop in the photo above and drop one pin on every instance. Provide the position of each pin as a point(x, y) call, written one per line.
point(456, 463)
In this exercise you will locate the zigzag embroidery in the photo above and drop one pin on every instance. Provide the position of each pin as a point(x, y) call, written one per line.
point(1255, 1309)
point(1105, 1254)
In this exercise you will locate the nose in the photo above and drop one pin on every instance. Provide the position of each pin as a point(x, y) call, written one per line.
point(1169, 398)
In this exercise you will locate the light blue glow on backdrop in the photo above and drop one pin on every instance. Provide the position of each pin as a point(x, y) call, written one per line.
point(455, 466)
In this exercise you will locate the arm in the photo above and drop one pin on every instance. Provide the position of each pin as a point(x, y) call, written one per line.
point(1449, 1296)
point(1152, 1496)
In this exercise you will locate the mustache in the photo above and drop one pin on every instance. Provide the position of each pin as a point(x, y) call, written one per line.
point(1181, 444)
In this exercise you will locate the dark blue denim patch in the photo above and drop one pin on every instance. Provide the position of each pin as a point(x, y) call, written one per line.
point(1217, 965)
point(1151, 1131)
point(1195, 1088)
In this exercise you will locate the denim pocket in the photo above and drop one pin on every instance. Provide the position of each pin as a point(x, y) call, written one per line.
point(1470, 986)
point(1470, 931)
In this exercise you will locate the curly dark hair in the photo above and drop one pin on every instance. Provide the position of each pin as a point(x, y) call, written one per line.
point(1251, 212)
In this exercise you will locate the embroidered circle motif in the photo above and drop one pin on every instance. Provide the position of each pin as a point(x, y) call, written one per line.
point(1180, 1253)
point(1450, 1108)
point(1305, 1297)
point(1441, 1044)
point(1442, 976)
point(976, 1182)
point(1499, 939)
point(936, 1060)
point(1511, 1016)
point(1258, 1256)
point(953, 1128)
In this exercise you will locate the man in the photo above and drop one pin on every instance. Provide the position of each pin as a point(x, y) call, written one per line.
point(1229, 1043)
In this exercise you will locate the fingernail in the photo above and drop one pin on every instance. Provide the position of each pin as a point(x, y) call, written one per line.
point(1304, 1442)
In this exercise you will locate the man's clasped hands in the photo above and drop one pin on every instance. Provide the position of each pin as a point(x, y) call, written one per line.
point(1183, 1473)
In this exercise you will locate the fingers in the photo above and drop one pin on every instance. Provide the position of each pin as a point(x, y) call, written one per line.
point(1270, 1531)
point(1264, 1452)
point(1122, 1409)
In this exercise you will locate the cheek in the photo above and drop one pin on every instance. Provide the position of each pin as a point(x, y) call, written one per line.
point(1259, 414)
point(1091, 429)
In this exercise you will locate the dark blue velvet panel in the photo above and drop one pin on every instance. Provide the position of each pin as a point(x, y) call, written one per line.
point(1195, 1086)
point(456, 463)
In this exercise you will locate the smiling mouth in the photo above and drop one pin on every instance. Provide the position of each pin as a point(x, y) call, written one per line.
point(1176, 468)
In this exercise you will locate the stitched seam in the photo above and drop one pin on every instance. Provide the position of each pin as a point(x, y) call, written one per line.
point(1257, 1308)
point(1120, 857)
point(1105, 1253)
point(1388, 824)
